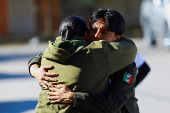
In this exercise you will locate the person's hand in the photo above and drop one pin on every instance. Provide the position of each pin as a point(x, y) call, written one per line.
point(42, 75)
point(61, 94)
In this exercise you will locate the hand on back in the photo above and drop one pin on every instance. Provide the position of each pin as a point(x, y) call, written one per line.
point(42, 75)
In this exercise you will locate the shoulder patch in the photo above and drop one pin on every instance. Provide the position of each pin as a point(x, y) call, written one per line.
point(127, 77)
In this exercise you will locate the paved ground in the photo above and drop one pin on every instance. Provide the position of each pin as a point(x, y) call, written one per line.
point(19, 91)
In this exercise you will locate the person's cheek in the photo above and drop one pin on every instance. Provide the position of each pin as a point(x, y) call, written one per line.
point(105, 37)
point(112, 40)
point(91, 35)
point(109, 39)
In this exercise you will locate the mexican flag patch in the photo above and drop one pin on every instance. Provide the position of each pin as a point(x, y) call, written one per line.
point(127, 77)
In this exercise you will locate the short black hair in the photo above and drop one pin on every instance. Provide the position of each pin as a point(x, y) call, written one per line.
point(113, 20)
point(72, 26)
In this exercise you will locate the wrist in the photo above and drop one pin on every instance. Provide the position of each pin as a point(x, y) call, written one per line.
point(33, 69)
point(73, 99)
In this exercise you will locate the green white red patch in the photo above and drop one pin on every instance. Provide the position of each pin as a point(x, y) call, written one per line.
point(127, 77)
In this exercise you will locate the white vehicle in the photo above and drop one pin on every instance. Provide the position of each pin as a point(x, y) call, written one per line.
point(155, 22)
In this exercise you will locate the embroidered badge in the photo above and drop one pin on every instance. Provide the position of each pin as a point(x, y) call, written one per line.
point(127, 77)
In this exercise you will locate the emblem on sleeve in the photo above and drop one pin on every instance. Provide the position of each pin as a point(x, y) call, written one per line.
point(127, 77)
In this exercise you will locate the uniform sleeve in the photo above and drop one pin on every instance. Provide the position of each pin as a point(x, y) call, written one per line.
point(35, 60)
point(116, 96)
point(120, 54)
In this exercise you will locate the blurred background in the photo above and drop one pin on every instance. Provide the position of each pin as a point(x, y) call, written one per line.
point(27, 25)
point(23, 19)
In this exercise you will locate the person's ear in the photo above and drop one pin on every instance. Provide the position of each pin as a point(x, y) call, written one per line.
point(118, 37)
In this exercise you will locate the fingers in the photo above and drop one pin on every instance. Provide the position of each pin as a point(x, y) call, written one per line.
point(53, 89)
point(44, 85)
point(52, 97)
point(44, 68)
point(47, 67)
point(50, 74)
point(54, 101)
point(52, 94)
point(61, 86)
point(47, 84)
point(49, 79)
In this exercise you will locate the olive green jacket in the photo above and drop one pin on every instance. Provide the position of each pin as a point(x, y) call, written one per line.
point(87, 63)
